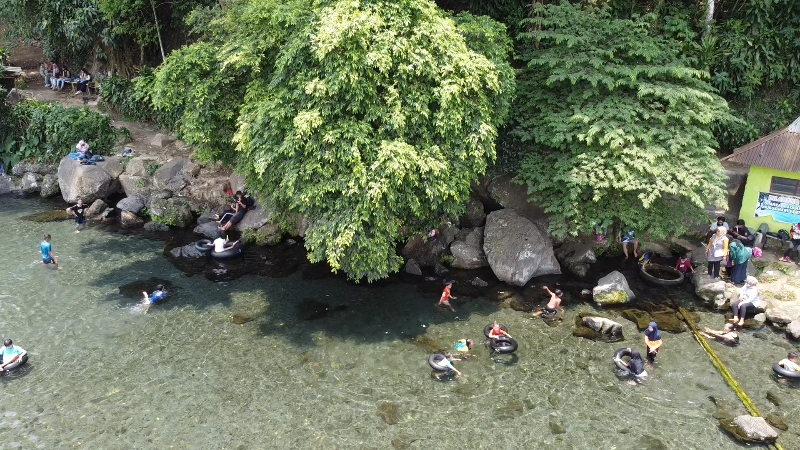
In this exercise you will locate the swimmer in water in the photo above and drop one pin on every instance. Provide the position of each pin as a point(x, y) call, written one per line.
point(149, 300)
point(463, 346)
point(444, 300)
point(448, 362)
point(47, 252)
point(553, 306)
point(497, 332)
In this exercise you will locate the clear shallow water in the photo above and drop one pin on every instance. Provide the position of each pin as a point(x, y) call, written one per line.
point(103, 376)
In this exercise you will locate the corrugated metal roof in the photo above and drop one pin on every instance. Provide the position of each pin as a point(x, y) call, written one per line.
point(779, 150)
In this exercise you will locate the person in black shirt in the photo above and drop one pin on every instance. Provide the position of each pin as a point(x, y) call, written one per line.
point(741, 233)
point(78, 211)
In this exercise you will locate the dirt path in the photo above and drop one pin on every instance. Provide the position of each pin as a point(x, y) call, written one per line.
point(142, 135)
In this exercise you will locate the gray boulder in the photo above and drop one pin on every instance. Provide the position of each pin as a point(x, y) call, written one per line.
point(135, 186)
point(793, 329)
point(612, 289)
point(208, 229)
point(31, 182)
point(139, 166)
point(132, 204)
point(23, 167)
point(440, 270)
point(6, 185)
point(783, 312)
point(162, 140)
point(130, 220)
point(182, 168)
point(187, 251)
point(206, 218)
point(468, 254)
point(88, 182)
point(750, 429)
point(474, 216)
point(709, 289)
point(603, 325)
point(516, 248)
point(477, 282)
point(412, 267)
point(155, 226)
point(237, 182)
point(176, 183)
point(49, 185)
point(576, 257)
point(425, 253)
point(510, 195)
point(95, 209)
point(255, 218)
point(171, 211)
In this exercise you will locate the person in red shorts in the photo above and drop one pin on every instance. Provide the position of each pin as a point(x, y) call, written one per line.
point(446, 296)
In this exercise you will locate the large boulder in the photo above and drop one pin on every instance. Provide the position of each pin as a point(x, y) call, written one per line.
point(576, 257)
point(88, 182)
point(156, 227)
point(174, 173)
point(412, 267)
point(237, 182)
point(255, 218)
point(426, 252)
point(95, 209)
point(511, 195)
point(709, 289)
point(31, 182)
point(208, 229)
point(6, 185)
point(162, 140)
point(171, 211)
point(187, 251)
point(136, 186)
point(783, 312)
point(612, 289)
point(516, 248)
point(130, 220)
point(750, 429)
point(140, 166)
point(132, 204)
point(793, 329)
point(49, 185)
point(468, 254)
point(24, 167)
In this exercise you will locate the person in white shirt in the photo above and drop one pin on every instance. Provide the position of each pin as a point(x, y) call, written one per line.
point(720, 223)
point(219, 244)
point(790, 363)
point(748, 297)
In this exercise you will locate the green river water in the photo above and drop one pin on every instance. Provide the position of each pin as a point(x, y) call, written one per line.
point(102, 375)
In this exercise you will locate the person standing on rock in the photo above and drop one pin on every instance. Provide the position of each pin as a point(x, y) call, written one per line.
point(47, 252)
point(652, 339)
point(78, 211)
point(717, 252)
point(444, 300)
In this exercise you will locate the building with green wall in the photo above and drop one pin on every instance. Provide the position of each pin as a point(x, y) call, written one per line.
point(772, 191)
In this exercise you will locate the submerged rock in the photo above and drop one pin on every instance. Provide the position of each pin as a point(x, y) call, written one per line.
point(389, 413)
point(240, 319)
point(750, 429)
point(637, 316)
point(310, 309)
point(428, 344)
point(669, 321)
point(777, 421)
point(604, 326)
point(587, 332)
point(47, 216)
point(135, 289)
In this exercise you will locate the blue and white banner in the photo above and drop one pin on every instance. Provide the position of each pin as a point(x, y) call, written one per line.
point(782, 208)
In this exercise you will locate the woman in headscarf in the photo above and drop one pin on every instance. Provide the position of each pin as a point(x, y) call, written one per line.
point(635, 364)
point(717, 252)
point(748, 298)
point(652, 339)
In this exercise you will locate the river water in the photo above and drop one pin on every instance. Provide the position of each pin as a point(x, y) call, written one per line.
point(102, 375)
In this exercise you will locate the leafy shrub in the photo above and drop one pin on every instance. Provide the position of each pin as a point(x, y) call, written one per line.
point(46, 132)
point(133, 99)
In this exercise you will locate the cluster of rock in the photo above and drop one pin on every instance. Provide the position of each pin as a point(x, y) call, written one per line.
point(778, 287)
point(30, 178)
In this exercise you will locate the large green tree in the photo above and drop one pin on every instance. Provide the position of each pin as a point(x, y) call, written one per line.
point(371, 118)
point(621, 124)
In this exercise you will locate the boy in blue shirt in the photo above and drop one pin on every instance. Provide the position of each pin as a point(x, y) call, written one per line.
point(10, 354)
point(47, 252)
point(158, 294)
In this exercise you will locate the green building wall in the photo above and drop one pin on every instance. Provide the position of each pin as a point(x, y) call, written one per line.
point(758, 180)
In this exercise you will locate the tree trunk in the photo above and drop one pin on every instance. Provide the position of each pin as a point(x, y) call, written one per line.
point(709, 16)
point(158, 30)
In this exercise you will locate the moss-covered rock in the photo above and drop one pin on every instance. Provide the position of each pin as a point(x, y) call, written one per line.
point(47, 216)
point(174, 212)
point(669, 322)
point(269, 234)
point(611, 298)
point(637, 316)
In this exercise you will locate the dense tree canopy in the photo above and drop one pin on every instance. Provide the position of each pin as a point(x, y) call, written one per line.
point(369, 117)
point(622, 122)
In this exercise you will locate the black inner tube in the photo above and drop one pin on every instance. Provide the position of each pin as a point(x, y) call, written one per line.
point(618, 357)
point(203, 245)
point(435, 362)
point(777, 368)
point(19, 363)
point(504, 345)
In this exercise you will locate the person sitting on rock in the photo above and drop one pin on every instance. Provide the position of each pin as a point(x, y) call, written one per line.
point(629, 237)
point(635, 365)
point(553, 306)
point(727, 335)
point(748, 298)
point(790, 363)
point(496, 332)
point(239, 210)
point(794, 243)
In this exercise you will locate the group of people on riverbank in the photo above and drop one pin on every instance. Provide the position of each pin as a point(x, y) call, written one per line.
point(57, 76)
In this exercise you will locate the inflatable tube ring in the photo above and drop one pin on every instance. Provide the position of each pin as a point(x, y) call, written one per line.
point(203, 245)
point(229, 252)
point(618, 358)
point(504, 345)
point(436, 362)
point(17, 364)
point(488, 328)
point(785, 372)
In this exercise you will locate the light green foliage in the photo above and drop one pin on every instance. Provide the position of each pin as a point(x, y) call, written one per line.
point(621, 122)
point(134, 99)
point(193, 84)
point(373, 116)
point(47, 132)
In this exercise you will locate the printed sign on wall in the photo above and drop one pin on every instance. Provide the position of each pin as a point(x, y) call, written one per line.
point(782, 208)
